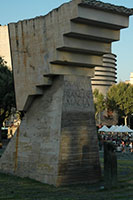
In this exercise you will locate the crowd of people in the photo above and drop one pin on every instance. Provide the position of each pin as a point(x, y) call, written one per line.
point(123, 142)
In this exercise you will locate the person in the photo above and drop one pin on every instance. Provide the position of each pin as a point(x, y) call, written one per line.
point(131, 146)
point(123, 146)
point(119, 148)
point(100, 126)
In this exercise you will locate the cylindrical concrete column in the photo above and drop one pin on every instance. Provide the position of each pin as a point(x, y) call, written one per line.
point(105, 75)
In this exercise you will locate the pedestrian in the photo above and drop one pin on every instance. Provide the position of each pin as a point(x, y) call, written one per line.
point(131, 146)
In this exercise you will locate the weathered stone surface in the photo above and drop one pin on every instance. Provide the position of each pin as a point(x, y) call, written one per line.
point(58, 144)
point(110, 165)
point(78, 154)
point(53, 59)
point(68, 40)
point(107, 6)
point(39, 139)
point(106, 75)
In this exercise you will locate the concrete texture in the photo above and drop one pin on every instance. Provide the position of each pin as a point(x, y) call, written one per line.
point(53, 59)
point(107, 7)
point(58, 144)
point(105, 75)
point(61, 42)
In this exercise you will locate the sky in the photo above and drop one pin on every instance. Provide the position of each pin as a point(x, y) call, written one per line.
point(15, 10)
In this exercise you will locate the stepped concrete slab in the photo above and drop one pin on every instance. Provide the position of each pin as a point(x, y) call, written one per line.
point(105, 75)
point(79, 27)
point(88, 31)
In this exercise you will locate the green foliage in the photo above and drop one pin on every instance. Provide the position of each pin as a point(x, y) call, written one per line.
point(99, 102)
point(120, 99)
point(7, 97)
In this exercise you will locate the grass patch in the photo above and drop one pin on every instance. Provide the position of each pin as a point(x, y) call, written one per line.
point(15, 188)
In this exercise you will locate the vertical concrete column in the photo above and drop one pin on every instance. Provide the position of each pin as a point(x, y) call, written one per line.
point(78, 158)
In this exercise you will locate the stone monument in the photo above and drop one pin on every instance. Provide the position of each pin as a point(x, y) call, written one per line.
point(105, 75)
point(110, 165)
point(53, 59)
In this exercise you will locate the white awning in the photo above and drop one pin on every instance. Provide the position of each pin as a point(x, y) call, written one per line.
point(104, 129)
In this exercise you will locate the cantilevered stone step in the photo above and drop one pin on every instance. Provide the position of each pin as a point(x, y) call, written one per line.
point(44, 81)
point(86, 31)
point(38, 91)
point(103, 82)
point(98, 70)
point(109, 56)
point(109, 64)
point(84, 46)
point(75, 59)
point(105, 73)
point(104, 77)
point(100, 18)
point(108, 68)
point(56, 69)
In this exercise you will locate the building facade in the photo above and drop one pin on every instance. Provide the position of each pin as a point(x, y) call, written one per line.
point(4, 45)
point(131, 79)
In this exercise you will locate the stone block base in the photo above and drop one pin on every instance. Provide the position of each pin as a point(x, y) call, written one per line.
point(57, 141)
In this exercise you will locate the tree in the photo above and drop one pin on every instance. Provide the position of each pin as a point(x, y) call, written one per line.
point(7, 94)
point(99, 103)
point(120, 99)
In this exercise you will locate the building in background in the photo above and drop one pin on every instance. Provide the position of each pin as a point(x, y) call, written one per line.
point(131, 79)
point(4, 45)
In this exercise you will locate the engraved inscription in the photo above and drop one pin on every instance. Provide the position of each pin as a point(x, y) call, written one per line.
point(76, 95)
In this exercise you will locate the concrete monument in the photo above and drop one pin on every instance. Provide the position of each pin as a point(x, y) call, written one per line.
point(53, 60)
point(105, 75)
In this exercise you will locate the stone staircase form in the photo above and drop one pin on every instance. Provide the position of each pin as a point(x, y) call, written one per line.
point(69, 40)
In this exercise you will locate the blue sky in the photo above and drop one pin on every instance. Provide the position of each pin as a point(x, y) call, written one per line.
point(14, 10)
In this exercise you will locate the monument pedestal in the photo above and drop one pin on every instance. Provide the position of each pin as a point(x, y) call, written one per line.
point(57, 142)
point(78, 158)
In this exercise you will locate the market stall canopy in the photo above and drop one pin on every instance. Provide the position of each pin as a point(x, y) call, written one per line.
point(104, 129)
point(125, 129)
point(118, 129)
point(112, 128)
